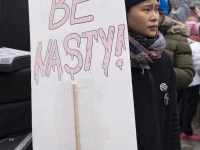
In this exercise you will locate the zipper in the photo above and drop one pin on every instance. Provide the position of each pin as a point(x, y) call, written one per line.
point(155, 110)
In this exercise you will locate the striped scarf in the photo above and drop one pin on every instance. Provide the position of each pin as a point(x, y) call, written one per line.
point(144, 50)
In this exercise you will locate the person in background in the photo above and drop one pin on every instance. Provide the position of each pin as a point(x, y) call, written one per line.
point(153, 79)
point(177, 44)
point(177, 47)
point(194, 29)
point(193, 15)
point(189, 100)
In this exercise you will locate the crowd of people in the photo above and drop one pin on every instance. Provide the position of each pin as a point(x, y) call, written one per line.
point(165, 64)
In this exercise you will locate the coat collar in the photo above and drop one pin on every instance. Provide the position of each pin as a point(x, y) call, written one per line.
point(175, 27)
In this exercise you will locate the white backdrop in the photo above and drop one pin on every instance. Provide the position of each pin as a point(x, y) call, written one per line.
point(81, 42)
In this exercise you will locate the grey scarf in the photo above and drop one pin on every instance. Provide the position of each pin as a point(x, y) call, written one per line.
point(144, 50)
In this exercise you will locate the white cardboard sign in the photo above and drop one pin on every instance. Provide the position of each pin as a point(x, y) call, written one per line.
point(81, 79)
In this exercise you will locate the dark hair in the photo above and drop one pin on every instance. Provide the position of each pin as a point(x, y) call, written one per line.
point(163, 28)
point(192, 7)
point(170, 6)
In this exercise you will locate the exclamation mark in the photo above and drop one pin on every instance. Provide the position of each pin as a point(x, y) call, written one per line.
point(120, 44)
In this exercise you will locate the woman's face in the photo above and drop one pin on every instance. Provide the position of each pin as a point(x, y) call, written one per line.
point(143, 18)
point(192, 18)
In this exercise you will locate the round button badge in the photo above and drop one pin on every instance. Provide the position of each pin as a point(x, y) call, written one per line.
point(166, 99)
point(163, 87)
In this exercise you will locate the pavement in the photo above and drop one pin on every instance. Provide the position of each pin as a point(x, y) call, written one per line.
point(190, 144)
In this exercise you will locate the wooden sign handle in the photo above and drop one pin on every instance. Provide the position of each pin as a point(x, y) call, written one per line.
point(76, 121)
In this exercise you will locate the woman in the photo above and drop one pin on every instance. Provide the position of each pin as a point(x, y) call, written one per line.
point(153, 79)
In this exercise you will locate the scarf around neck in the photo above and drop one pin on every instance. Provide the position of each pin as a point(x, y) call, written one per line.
point(144, 50)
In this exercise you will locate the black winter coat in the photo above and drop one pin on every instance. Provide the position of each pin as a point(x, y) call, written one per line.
point(156, 116)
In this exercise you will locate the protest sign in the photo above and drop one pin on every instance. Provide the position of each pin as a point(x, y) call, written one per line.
point(81, 77)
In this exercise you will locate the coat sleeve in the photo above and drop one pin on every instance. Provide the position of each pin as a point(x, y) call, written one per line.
point(181, 55)
point(175, 128)
point(182, 11)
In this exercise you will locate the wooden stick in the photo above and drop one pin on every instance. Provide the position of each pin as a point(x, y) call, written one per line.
point(76, 121)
